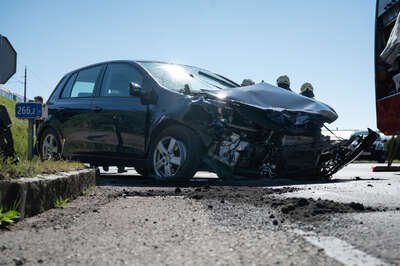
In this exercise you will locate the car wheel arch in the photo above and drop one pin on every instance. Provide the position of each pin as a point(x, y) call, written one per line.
point(168, 122)
point(160, 126)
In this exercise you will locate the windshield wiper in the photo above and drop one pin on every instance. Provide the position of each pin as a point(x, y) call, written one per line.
point(222, 82)
point(209, 83)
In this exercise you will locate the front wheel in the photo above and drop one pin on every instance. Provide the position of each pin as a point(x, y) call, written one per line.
point(175, 154)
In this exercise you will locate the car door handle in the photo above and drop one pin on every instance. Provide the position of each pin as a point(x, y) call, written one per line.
point(97, 109)
point(60, 109)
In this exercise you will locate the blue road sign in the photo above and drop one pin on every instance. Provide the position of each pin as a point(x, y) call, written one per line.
point(28, 110)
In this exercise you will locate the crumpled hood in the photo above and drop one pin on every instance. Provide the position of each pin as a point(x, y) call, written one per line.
point(268, 97)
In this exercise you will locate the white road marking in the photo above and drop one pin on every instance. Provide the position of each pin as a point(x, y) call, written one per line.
point(340, 250)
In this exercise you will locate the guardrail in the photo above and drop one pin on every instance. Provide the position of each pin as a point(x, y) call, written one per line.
point(11, 95)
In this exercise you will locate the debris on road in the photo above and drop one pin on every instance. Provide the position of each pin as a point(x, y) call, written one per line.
point(295, 209)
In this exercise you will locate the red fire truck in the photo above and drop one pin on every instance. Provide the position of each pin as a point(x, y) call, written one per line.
point(387, 66)
point(387, 72)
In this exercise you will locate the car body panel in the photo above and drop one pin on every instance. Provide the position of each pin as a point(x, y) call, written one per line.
point(286, 103)
point(73, 120)
point(120, 125)
point(269, 130)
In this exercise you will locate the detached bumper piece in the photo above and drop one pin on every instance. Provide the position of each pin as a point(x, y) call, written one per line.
point(345, 152)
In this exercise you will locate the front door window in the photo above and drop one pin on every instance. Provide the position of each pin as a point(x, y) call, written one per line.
point(117, 79)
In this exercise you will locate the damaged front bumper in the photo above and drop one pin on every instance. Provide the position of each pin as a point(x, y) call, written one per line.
point(347, 151)
point(284, 156)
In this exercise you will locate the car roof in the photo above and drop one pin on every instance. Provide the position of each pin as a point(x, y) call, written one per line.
point(101, 63)
point(140, 61)
point(125, 61)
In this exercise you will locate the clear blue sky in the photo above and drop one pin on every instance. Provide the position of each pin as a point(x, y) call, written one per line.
point(328, 43)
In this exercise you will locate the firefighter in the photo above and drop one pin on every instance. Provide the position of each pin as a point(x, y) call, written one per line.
point(307, 90)
point(247, 82)
point(283, 82)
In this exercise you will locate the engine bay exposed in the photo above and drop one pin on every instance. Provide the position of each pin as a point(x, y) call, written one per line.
point(241, 146)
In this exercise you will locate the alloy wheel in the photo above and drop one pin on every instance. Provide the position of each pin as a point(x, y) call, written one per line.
point(169, 156)
point(49, 147)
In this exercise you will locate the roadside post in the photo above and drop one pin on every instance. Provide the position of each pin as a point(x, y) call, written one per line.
point(30, 111)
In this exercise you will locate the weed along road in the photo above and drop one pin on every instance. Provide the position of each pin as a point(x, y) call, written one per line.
point(353, 219)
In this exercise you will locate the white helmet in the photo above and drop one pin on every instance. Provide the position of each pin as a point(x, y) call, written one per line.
point(283, 80)
point(247, 82)
point(306, 87)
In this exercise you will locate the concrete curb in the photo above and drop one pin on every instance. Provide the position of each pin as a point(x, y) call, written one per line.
point(38, 194)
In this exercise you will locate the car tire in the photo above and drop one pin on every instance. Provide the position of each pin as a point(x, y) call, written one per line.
point(174, 154)
point(49, 145)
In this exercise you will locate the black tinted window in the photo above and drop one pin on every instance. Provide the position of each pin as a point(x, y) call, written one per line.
point(68, 87)
point(117, 78)
point(84, 83)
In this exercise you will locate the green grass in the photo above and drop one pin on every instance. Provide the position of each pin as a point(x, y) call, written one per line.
point(10, 216)
point(61, 203)
point(19, 128)
point(25, 168)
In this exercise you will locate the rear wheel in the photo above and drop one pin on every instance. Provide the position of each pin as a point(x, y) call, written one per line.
point(175, 154)
point(50, 145)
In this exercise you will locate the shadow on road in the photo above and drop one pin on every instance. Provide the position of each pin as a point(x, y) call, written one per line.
point(135, 180)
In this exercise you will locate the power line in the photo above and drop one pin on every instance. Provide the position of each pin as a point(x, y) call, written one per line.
point(39, 79)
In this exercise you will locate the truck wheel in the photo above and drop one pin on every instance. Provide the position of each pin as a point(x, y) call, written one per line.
point(50, 145)
point(175, 154)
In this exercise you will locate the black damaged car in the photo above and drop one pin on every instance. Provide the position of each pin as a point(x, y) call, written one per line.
point(169, 121)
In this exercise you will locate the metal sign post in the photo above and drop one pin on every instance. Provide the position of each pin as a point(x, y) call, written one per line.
point(30, 138)
point(30, 111)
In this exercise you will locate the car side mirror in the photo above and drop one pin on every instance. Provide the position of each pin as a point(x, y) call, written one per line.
point(135, 90)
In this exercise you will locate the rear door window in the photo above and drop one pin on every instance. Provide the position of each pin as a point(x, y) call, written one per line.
point(83, 85)
point(117, 79)
point(66, 93)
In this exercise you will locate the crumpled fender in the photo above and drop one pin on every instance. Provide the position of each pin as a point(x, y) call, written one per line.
point(283, 106)
point(194, 113)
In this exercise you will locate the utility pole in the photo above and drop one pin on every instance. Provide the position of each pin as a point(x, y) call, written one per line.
point(25, 86)
point(30, 126)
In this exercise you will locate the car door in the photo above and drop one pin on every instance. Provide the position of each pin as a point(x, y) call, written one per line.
point(73, 109)
point(122, 117)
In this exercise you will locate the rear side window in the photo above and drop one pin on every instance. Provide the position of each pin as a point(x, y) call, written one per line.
point(83, 84)
point(68, 87)
point(117, 79)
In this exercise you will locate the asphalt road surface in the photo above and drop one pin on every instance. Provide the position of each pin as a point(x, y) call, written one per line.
point(354, 219)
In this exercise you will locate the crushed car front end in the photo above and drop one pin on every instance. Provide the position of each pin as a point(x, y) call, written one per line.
point(263, 131)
